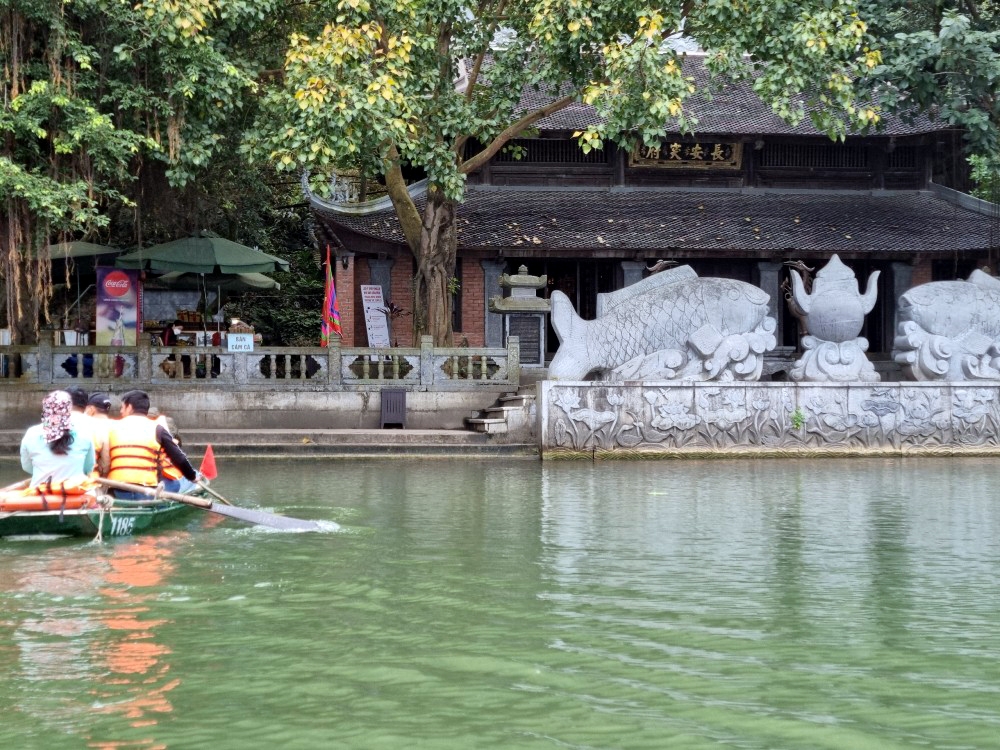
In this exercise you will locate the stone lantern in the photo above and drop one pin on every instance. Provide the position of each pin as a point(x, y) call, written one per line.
point(524, 314)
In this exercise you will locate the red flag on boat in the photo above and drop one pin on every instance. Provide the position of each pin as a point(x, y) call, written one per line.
point(208, 463)
point(331, 311)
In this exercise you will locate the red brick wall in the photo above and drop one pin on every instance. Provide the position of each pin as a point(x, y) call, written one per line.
point(346, 295)
point(401, 293)
point(401, 286)
point(473, 304)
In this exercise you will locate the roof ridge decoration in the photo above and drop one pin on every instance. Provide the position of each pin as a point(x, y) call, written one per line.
point(341, 204)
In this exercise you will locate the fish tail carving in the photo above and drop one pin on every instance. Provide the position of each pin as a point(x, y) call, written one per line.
point(572, 361)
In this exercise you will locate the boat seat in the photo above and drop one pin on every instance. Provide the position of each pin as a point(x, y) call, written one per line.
point(393, 408)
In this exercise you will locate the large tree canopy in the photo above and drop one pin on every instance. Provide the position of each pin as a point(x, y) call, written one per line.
point(379, 84)
point(941, 57)
point(93, 91)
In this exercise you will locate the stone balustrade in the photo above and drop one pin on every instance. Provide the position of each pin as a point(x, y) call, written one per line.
point(333, 368)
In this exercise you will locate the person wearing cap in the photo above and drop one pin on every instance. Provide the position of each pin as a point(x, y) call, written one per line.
point(99, 412)
point(135, 445)
point(53, 450)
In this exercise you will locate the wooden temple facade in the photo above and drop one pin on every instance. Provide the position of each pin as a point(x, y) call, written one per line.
point(741, 198)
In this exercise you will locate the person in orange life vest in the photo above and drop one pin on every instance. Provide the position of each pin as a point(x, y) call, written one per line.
point(173, 479)
point(135, 443)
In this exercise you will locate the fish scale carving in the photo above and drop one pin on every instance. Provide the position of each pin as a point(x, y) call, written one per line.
point(660, 316)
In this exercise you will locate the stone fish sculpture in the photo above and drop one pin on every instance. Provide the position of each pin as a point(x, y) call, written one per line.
point(950, 330)
point(669, 326)
point(834, 313)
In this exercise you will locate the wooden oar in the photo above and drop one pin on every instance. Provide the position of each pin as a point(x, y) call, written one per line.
point(16, 486)
point(213, 493)
point(244, 514)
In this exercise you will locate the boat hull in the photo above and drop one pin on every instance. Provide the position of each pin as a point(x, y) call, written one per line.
point(124, 518)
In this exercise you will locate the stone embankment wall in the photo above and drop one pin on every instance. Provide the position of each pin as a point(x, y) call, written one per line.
point(251, 409)
point(670, 419)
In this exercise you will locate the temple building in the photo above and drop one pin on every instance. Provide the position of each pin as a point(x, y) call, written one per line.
point(745, 197)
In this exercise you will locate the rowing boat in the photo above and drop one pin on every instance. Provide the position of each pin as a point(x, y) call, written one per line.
point(88, 515)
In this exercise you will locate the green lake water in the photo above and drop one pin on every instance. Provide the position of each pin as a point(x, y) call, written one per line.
point(510, 604)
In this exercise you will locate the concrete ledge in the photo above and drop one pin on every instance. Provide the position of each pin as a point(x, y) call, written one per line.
point(330, 443)
point(246, 409)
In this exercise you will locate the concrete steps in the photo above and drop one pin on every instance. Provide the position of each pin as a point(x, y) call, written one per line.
point(330, 443)
point(510, 413)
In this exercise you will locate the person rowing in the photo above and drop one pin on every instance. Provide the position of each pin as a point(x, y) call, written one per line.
point(135, 446)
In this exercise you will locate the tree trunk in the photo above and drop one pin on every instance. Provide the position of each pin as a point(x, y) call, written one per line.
point(435, 269)
point(26, 277)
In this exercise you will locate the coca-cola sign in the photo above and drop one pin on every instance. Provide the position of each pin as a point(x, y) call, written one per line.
point(117, 284)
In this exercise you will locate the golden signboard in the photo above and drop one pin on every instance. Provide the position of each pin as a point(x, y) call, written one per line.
point(689, 155)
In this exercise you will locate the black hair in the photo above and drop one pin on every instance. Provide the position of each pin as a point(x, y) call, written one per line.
point(138, 400)
point(60, 446)
point(78, 395)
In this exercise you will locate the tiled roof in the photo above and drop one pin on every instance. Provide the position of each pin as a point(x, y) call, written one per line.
point(736, 109)
point(749, 221)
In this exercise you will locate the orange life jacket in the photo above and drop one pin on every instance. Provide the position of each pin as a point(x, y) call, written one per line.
point(134, 450)
point(66, 494)
point(167, 468)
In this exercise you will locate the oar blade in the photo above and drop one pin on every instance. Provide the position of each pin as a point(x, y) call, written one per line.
point(244, 514)
point(263, 518)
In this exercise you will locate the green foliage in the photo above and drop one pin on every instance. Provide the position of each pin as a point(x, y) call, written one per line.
point(373, 85)
point(985, 174)
point(99, 92)
point(941, 57)
point(378, 80)
point(291, 316)
point(798, 419)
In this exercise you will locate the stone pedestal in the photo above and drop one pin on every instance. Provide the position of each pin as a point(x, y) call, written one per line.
point(524, 314)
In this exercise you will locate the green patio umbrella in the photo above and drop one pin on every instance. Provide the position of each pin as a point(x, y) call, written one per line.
point(78, 249)
point(202, 254)
point(234, 282)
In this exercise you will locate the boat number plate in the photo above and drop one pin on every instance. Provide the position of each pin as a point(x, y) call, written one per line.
point(122, 525)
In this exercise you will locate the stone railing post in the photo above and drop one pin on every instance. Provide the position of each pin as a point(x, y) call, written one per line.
point(334, 363)
point(46, 341)
point(514, 360)
point(240, 364)
point(426, 361)
point(144, 360)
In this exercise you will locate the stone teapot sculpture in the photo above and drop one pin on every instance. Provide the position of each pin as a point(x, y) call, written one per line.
point(834, 314)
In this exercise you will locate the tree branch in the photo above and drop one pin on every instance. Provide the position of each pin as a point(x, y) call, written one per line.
point(513, 130)
point(478, 64)
point(406, 209)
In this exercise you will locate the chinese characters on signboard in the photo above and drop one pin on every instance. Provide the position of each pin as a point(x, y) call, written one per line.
point(696, 155)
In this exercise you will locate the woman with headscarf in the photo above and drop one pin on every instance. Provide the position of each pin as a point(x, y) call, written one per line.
point(53, 450)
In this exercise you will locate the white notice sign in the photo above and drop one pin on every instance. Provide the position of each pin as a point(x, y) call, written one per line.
point(375, 320)
point(239, 342)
